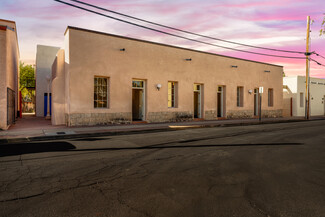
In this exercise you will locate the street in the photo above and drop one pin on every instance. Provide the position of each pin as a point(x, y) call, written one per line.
point(258, 170)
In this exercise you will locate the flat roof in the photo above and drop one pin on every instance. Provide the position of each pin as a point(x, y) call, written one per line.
point(10, 21)
point(161, 44)
point(15, 30)
point(301, 76)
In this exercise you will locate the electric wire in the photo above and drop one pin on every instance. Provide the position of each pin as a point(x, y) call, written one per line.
point(317, 62)
point(184, 31)
point(317, 54)
point(175, 35)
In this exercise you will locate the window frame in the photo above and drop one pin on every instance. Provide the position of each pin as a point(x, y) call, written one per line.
point(96, 91)
point(302, 100)
point(240, 96)
point(270, 94)
point(172, 94)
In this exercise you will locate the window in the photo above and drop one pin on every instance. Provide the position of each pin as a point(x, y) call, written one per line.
point(301, 100)
point(100, 92)
point(270, 96)
point(137, 84)
point(172, 94)
point(240, 96)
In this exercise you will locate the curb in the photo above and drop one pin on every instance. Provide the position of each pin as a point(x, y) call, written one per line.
point(140, 131)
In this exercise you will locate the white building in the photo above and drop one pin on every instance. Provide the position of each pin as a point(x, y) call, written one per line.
point(294, 95)
point(45, 56)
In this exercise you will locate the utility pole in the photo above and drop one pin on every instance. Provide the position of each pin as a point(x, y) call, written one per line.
point(307, 54)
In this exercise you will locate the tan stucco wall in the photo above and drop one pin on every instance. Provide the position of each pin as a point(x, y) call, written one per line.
point(287, 102)
point(3, 81)
point(9, 64)
point(12, 62)
point(58, 90)
point(93, 54)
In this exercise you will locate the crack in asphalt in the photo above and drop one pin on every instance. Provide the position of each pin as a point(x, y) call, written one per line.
point(122, 202)
point(81, 180)
point(180, 141)
point(254, 206)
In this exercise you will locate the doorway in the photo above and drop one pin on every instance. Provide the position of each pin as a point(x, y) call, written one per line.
point(220, 101)
point(256, 96)
point(45, 104)
point(197, 101)
point(11, 105)
point(138, 100)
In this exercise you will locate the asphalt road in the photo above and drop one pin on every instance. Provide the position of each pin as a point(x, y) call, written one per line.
point(262, 170)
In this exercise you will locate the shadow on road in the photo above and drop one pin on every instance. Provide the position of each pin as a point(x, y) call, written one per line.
point(29, 148)
point(186, 146)
point(89, 139)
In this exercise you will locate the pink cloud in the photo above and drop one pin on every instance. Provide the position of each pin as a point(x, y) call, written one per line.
point(245, 20)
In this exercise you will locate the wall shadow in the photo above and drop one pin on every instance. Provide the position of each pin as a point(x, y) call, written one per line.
point(188, 146)
point(30, 148)
point(90, 139)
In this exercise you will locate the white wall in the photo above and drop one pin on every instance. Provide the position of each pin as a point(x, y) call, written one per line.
point(45, 56)
point(58, 90)
point(297, 85)
point(317, 94)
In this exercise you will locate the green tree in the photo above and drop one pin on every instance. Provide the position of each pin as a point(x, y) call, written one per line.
point(322, 31)
point(27, 81)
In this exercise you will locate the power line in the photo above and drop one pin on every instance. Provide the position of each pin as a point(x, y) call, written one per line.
point(184, 31)
point(317, 62)
point(319, 55)
point(171, 34)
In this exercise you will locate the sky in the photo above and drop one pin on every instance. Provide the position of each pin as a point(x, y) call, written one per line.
point(278, 24)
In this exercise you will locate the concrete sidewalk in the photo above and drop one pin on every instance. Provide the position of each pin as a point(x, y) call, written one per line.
point(31, 128)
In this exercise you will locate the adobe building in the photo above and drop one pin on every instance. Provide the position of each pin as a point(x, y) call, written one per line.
point(294, 93)
point(45, 56)
point(9, 73)
point(107, 78)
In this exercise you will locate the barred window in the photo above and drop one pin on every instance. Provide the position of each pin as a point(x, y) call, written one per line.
point(172, 94)
point(270, 96)
point(240, 96)
point(100, 92)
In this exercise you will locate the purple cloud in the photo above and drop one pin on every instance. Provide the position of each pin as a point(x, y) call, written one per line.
point(277, 24)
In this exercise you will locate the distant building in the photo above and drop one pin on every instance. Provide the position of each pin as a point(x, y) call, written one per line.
point(101, 78)
point(295, 92)
point(9, 73)
point(45, 56)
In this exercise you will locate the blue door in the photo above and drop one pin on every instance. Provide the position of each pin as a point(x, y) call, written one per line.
point(45, 104)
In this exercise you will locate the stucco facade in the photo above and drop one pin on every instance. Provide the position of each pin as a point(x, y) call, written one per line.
point(58, 90)
point(9, 73)
point(295, 88)
point(138, 75)
point(45, 56)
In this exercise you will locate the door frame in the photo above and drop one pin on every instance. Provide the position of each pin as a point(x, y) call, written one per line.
point(143, 97)
point(256, 101)
point(200, 108)
point(11, 106)
point(222, 106)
